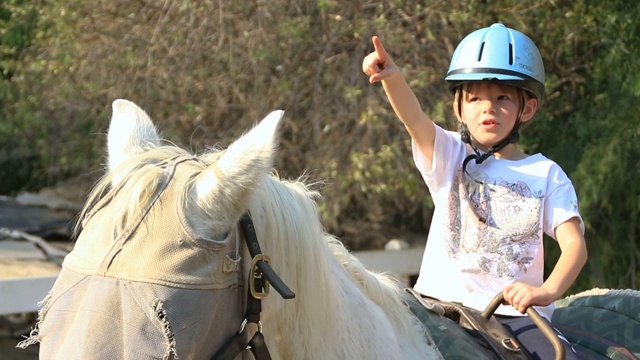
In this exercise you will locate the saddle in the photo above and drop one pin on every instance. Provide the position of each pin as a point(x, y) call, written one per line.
point(485, 332)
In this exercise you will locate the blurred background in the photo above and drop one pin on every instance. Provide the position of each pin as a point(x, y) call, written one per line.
point(206, 71)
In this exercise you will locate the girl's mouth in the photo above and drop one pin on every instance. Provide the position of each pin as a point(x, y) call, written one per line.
point(489, 125)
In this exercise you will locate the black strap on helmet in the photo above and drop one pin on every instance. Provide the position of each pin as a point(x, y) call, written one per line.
point(481, 157)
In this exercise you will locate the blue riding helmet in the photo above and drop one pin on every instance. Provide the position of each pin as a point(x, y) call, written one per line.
point(501, 54)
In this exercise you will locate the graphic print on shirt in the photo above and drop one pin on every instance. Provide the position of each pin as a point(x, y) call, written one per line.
point(494, 224)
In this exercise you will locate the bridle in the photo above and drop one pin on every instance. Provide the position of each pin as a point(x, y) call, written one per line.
point(260, 276)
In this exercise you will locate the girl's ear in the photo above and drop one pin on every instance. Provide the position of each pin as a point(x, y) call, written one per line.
point(530, 107)
point(457, 103)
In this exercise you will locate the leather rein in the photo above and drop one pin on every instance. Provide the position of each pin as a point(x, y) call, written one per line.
point(260, 276)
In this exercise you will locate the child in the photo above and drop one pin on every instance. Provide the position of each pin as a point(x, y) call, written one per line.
point(492, 201)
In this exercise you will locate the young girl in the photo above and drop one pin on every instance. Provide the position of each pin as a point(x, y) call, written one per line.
point(493, 203)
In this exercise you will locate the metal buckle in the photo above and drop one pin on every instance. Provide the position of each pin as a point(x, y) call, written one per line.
point(244, 325)
point(257, 274)
point(511, 345)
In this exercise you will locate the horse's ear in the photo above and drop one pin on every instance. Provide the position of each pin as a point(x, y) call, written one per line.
point(228, 182)
point(131, 132)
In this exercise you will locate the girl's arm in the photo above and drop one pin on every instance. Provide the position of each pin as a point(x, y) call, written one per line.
point(572, 259)
point(380, 67)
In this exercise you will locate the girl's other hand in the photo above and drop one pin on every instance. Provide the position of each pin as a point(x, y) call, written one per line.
point(521, 296)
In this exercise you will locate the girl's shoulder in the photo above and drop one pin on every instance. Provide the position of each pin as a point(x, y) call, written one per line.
point(536, 166)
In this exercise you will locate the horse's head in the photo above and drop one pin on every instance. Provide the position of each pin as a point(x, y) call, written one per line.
point(155, 270)
point(218, 192)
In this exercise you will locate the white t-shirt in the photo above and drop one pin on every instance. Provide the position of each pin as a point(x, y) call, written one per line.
point(487, 228)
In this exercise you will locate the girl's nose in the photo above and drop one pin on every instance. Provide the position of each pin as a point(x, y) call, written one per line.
point(488, 106)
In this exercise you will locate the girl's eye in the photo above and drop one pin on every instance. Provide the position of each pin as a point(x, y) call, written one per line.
point(503, 97)
point(473, 98)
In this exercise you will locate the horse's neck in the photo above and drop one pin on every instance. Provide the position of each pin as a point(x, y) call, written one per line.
point(331, 316)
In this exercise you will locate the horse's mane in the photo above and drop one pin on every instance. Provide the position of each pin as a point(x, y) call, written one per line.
point(381, 288)
point(332, 286)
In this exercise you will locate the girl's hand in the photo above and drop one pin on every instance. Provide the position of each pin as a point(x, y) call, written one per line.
point(378, 64)
point(521, 296)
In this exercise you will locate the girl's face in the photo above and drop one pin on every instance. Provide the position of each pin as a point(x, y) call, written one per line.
point(490, 111)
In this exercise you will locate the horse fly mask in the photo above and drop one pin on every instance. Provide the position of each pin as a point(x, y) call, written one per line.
point(154, 289)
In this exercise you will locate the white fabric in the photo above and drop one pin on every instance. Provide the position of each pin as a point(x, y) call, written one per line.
point(154, 290)
point(469, 261)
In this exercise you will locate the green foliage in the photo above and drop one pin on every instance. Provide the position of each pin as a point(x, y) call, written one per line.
point(589, 126)
point(608, 170)
point(18, 159)
point(207, 70)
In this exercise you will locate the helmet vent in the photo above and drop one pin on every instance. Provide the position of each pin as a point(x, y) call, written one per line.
point(480, 53)
point(510, 54)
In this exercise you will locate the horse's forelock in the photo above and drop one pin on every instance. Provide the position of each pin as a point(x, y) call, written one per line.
point(135, 181)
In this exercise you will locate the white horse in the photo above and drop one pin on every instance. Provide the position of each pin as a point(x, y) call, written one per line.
point(155, 270)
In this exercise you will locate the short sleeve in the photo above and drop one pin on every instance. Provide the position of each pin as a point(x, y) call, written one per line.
point(561, 203)
point(448, 153)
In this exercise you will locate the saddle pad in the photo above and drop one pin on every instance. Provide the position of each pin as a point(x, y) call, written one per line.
point(601, 326)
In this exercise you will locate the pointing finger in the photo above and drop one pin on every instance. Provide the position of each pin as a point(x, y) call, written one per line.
point(379, 48)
